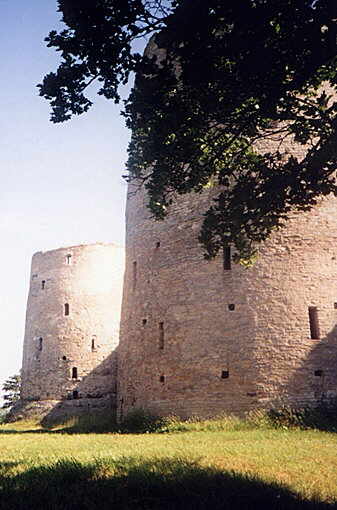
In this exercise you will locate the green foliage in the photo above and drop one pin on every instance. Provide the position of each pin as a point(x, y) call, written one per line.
point(235, 469)
point(12, 388)
point(157, 484)
point(230, 77)
point(139, 421)
point(3, 413)
point(323, 417)
point(97, 423)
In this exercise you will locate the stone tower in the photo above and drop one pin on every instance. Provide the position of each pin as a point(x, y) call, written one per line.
point(202, 337)
point(72, 328)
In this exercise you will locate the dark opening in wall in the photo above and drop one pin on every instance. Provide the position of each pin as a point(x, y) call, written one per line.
point(134, 274)
point(227, 259)
point(40, 345)
point(162, 378)
point(224, 374)
point(158, 244)
point(231, 307)
point(144, 321)
point(93, 345)
point(43, 284)
point(64, 358)
point(314, 324)
point(335, 306)
point(161, 335)
point(68, 259)
point(75, 394)
point(74, 373)
point(318, 373)
point(66, 309)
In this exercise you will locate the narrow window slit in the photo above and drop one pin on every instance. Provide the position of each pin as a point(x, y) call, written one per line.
point(93, 346)
point(161, 335)
point(227, 260)
point(43, 284)
point(74, 373)
point(66, 309)
point(313, 322)
point(40, 344)
point(162, 378)
point(68, 259)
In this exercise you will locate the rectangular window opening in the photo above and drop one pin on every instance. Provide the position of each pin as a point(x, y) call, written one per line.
point(74, 373)
point(40, 344)
point(75, 394)
point(68, 259)
point(161, 335)
point(313, 322)
point(43, 284)
point(227, 259)
point(162, 378)
point(66, 309)
point(224, 374)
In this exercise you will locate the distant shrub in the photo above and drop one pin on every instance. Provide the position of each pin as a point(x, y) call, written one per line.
point(322, 417)
point(140, 420)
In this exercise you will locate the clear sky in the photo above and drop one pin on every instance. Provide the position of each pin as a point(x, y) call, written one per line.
point(61, 184)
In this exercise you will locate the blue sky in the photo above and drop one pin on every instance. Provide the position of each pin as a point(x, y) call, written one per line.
point(61, 184)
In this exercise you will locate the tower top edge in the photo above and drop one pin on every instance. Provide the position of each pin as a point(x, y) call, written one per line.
point(80, 246)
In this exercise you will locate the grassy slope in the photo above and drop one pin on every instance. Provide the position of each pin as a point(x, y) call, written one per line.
point(258, 468)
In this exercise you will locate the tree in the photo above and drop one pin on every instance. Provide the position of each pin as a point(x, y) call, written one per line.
point(219, 80)
point(12, 388)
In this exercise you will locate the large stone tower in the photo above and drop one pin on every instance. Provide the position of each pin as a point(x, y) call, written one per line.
point(203, 337)
point(72, 328)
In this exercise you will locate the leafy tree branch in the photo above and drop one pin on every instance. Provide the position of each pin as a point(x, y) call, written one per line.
point(224, 93)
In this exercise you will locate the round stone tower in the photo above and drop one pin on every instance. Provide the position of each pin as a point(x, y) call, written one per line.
point(203, 337)
point(72, 328)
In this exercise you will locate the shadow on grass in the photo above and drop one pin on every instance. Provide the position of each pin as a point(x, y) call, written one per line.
point(79, 425)
point(130, 484)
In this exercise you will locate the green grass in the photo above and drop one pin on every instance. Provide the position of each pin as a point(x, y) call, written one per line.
point(221, 464)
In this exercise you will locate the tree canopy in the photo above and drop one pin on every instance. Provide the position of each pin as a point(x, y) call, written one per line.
point(218, 81)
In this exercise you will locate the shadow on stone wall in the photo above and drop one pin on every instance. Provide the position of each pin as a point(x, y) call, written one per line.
point(91, 395)
point(315, 381)
point(312, 382)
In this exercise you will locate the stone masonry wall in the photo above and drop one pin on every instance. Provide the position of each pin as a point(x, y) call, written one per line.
point(72, 325)
point(198, 339)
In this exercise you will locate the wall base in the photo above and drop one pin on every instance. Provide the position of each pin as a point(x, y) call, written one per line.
point(59, 411)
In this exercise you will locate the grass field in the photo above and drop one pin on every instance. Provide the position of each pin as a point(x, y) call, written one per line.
point(204, 467)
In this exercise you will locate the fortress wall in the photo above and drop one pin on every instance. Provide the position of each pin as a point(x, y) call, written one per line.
point(89, 279)
point(215, 358)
